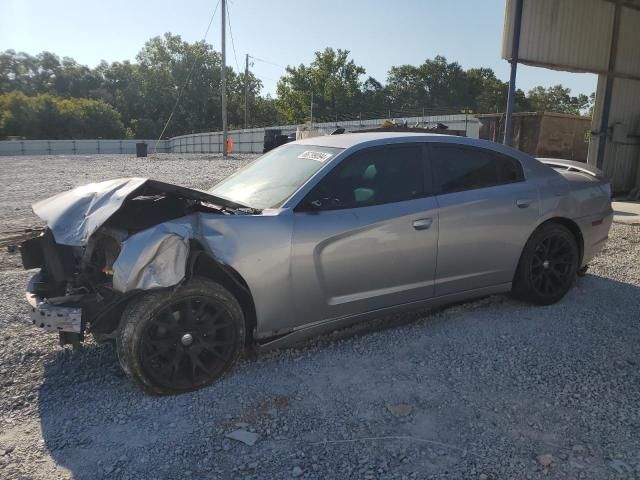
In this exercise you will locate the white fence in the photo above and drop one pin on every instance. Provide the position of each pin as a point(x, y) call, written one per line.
point(244, 141)
point(75, 147)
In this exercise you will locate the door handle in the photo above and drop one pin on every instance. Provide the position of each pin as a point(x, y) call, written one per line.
point(422, 223)
point(523, 203)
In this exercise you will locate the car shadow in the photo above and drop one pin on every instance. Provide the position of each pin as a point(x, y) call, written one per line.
point(97, 424)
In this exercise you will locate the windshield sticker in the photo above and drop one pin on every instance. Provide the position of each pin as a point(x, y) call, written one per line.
point(317, 156)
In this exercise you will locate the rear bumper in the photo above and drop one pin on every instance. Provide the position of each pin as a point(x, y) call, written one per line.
point(56, 315)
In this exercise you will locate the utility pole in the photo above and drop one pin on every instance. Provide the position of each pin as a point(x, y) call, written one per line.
point(466, 112)
point(311, 121)
point(246, 89)
point(223, 80)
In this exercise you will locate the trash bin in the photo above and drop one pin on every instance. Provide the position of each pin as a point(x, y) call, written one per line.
point(270, 139)
point(141, 149)
point(281, 140)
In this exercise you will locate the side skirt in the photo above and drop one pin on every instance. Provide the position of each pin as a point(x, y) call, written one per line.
point(308, 331)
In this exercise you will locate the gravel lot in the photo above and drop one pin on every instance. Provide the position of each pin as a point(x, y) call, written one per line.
point(493, 389)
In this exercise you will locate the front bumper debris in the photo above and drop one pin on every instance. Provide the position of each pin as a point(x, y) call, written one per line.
point(54, 315)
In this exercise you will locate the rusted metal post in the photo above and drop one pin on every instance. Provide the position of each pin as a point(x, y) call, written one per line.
point(515, 47)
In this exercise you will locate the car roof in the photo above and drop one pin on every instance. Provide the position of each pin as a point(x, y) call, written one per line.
point(347, 140)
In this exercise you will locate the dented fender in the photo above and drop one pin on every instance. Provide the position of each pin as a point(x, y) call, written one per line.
point(153, 258)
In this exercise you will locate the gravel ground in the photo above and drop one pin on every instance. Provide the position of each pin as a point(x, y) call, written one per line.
point(493, 389)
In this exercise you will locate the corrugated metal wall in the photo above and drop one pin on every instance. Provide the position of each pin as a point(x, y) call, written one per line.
point(622, 155)
point(576, 35)
point(628, 55)
point(567, 34)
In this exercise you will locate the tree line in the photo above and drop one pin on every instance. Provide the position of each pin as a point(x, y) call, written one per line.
point(48, 97)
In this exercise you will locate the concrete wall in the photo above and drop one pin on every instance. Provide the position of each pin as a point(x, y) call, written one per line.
point(244, 141)
point(75, 147)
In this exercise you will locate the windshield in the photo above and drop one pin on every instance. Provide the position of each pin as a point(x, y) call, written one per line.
point(275, 176)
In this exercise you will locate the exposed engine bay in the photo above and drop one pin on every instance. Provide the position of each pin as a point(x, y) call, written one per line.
point(75, 290)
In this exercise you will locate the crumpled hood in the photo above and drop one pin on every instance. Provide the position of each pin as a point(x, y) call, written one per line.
point(75, 215)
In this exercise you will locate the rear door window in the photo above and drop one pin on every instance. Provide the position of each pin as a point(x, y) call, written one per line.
point(458, 168)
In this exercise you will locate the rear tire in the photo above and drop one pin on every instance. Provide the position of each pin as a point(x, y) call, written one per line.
point(548, 265)
point(175, 341)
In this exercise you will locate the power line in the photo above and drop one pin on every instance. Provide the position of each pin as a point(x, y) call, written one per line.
point(193, 65)
point(265, 78)
point(232, 42)
point(267, 61)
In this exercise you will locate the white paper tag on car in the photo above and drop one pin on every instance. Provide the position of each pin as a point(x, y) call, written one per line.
point(317, 156)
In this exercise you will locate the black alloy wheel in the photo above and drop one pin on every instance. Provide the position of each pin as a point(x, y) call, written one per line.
point(548, 265)
point(174, 341)
point(187, 343)
point(552, 265)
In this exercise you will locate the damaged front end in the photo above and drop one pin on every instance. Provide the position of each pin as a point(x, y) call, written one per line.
point(105, 243)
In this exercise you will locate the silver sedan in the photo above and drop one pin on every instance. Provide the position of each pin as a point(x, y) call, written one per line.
point(310, 237)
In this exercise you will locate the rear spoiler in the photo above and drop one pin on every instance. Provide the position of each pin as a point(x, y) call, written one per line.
point(573, 166)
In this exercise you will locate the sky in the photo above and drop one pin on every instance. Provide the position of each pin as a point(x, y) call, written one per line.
point(379, 34)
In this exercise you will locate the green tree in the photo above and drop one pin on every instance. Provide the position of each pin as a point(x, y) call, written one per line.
point(333, 79)
point(45, 73)
point(264, 112)
point(164, 65)
point(375, 98)
point(17, 71)
point(435, 84)
point(46, 116)
point(17, 116)
point(120, 86)
point(490, 93)
point(557, 99)
point(143, 94)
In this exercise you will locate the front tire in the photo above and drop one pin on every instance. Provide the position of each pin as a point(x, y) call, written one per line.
point(181, 340)
point(548, 265)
